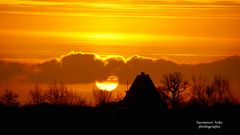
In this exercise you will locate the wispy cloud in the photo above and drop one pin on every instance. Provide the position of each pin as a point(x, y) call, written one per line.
point(128, 37)
point(197, 24)
point(117, 15)
point(147, 9)
point(122, 1)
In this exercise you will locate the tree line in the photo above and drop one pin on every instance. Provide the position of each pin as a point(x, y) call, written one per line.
point(56, 94)
point(175, 90)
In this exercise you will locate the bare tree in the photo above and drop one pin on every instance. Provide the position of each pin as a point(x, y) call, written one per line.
point(9, 98)
point(56, 94)
point(220, 90)
point(52, 95)
point(173, 85)
point(200, 90)
point(62, 95)
point(102, 96)
point(36, 95)
point(209, 93)
point(69, 97)
point(117, 96)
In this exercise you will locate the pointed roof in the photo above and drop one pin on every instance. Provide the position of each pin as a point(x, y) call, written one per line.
point(143, 93)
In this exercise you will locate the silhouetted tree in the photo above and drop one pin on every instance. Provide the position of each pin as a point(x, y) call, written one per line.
point(117, 96)
point(218, 91)
point(102, 96)
point(52, 94)
point(56, 94)
point(71, 97)
point(62, 95)
point(200, 89)
point(9, 98)
point(36, 95)
point(173, 85)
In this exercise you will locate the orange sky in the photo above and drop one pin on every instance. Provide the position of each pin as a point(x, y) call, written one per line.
point(184, 31)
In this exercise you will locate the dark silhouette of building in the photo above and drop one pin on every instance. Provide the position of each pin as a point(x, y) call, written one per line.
point(143, 93)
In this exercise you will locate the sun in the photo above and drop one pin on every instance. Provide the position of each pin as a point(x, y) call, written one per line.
point(109, 85)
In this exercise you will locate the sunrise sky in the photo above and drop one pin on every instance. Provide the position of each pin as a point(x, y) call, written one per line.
point(79, 42)
point(188, 31)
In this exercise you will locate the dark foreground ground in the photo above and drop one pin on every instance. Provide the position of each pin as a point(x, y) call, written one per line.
point(48, 119)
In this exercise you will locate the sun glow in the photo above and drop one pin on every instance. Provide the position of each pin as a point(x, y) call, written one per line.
point(106, 36)
point(109, 85)
point(182, 31)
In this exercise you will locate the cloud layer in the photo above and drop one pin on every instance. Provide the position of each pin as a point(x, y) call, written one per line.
point(88, 67)
point(85, 68)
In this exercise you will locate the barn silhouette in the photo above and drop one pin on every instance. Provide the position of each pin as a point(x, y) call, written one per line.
point(143, 93)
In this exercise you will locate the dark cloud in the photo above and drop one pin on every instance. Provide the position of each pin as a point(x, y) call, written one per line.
point(12, 70)
point(73, 68)
point(83, 68)
point(87, 68)
point(46, 72)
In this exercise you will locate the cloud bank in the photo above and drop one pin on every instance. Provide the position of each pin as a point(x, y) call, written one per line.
point(78, 67)
point(84, 68)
